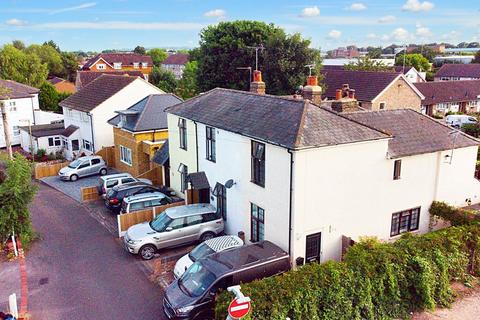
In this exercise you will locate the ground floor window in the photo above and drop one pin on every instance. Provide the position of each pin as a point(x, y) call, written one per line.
point(65, 143)
point(126, 155)
point(75, 145)
point(258, 223)
point(54, 141)
point(183, 169)
point(405, 221)
point(87, 145)
point(220, 191)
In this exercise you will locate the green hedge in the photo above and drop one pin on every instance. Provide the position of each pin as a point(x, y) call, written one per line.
point(456, 216)
point(375, 281)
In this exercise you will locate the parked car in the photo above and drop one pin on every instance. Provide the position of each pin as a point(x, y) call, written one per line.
point(144, 201)
point(204, 249)
point(82, 167)
point(115, 196)
point(193, 295)
point(107, 182)
point(458, 120)
point(173, 227)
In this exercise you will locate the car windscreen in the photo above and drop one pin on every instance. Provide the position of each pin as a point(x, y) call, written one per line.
point(161, 222)
point(75, 164)
point(200, 251)
point(196, 280)
point(111, 193)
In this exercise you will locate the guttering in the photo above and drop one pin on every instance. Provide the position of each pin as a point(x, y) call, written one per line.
point(196, 143)
point(290, 205)
point(91, 129)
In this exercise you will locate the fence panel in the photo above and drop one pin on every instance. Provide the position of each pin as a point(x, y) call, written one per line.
point(89, 194)
point(127, 220)
point(154, 175)
point(43, 170)
point(108, 154)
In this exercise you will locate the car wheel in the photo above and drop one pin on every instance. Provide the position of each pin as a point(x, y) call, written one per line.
point(147, 252)
point(73, 177)
point(207, 236)
point(103, 172)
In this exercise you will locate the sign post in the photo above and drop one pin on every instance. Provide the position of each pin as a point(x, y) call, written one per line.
point(240, 306)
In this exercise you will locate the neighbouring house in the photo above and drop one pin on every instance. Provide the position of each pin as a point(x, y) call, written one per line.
point(437, 48)
point(412, 74)
point(120, 61)
point(175, 63)
point(139, 131)
point(62, 85)
point(374, 90)
point(345, 53)
point(87, 111)
point(85, 77)
point(455, 72)
point(310, 179)
point(43, 136)
point(450, 96)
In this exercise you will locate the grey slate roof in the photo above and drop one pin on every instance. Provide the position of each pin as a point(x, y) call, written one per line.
point(69, 130)
point(16, 90)
point(161, 156)
point(45, 130)
point(148, 113)
point(413, 133)
point(290, 123)
point(198, 180)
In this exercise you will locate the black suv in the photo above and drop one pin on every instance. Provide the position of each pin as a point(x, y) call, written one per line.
point(114, 197)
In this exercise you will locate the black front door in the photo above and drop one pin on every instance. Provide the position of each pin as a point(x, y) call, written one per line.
point(312, 253)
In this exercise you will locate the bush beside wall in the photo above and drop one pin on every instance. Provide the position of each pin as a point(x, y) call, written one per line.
point(457, 216)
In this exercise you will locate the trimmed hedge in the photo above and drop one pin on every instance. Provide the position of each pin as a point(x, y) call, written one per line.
point(456, 216)
point(375, 281)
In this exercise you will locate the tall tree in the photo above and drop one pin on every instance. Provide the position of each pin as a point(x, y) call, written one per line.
point(18, 44)
point(50, 56)
point(52, 44)
point(22, 67)
point(367, 64)
point(48, 97)
point(188, 86)
point(225, 47)
point(158, 55)
point(415, 60)
point(476, 59)
point(163, 79)
point(70, 65)
point(374, 53)
point(139, 50)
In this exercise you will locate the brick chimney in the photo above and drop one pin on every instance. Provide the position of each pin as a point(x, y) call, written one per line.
point(312, 91)
point(345, 100)
point(257, 85)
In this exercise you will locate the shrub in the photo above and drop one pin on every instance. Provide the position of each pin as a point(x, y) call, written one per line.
point(456, 216)
point(376, 280)
point(40, 153)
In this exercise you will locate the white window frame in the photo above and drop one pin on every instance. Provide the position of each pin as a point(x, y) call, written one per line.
point(86, 145)
point(117, 65)
point(65, 142)
point(56, 142)
point(136, 65)
point(144, 65)
point(101, 66)
point(126, 155)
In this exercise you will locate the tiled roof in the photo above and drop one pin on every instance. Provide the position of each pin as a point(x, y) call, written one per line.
point(17, 90)
point(413, 133)
point(85, 77)
point(198, 180)
point(449, 91)
point(55, 80)
point(150, 113)
point(124, 58)
point(161, 156)
point(471, 70)
point(367, 84)
point(96, 92)
point(45, 130)
point(286, 122)
point(177, 58)
point(69, 130)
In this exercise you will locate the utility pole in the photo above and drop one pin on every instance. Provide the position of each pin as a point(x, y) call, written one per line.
point(5, 95)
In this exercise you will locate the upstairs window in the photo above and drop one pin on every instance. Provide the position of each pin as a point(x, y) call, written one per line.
point(144, 65)
point(397, 169)
point(405, 221)
point(16, 130)
point(182, 132)
point(135, 65)
point(211, 147)
point(258, 163)
point(101, 66)
point(117, 65)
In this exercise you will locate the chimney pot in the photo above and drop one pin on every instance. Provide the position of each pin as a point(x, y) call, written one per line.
point(257, 85)
point(257, 76)
point(351, 93)
point(312, 81)
point(338, 94)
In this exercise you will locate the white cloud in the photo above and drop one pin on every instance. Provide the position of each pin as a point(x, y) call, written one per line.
point(357, 6)
point(117, 25)
point(217, 13)
point(416, 5)
point(310, 12)
point(423, 32)
point(451, 36)
point(400, 34)
point(372, 36)
point(334, 34)
point(75, 8)
point(387, 19)
point(16, 22)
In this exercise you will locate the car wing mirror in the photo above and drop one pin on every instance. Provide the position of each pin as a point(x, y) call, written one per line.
point(168, 229)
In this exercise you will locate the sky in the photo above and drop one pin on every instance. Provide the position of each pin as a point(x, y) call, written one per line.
point(124, 24)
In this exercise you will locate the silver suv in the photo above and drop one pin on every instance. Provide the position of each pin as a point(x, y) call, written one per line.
point(174, 226)
point(82, 167)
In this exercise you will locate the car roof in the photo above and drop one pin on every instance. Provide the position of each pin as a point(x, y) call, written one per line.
point(244, 256)
point(116, 175)
point(144, 196)
point(218, 244)
point(89, 157)
point(189, 210)
point(129, 185)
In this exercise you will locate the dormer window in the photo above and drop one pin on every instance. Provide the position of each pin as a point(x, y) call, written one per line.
point(144, 65)
point(101, 66)
point(123, 120)
point(135, 65)
point(117, 65)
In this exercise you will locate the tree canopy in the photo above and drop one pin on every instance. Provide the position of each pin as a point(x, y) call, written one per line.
point(225, 47)
point(158, 55)
point(22, 67)
point(48, 55)
point(163, 79)
point(139, 50)
point(187, 86)
point(367, 64)
point(415, 60)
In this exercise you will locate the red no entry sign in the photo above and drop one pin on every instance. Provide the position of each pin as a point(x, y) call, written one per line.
point(238, 310)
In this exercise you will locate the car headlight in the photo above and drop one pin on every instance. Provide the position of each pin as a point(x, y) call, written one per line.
point(130, 241)
point(185, 309)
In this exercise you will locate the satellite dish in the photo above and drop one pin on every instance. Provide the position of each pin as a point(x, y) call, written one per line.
point(230, 183)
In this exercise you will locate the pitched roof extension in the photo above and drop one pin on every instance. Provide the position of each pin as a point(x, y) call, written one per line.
point(471, 70)
point(449, 91)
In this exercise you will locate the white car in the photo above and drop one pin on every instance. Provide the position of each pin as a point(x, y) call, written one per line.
point(105, 183)
point(204, 249)
point(458, 120)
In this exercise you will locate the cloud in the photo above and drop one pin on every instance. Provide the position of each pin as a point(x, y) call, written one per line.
point(451, 36)
point(423, 32)
point(75, 8)
point(16, 22)
point(310, 12)
point(357, 6)
point(387, 19)
point(334, 34)
point(217, 13)
point(416, 5)
point(400, 34)
point(117, 25)
point(372, 36)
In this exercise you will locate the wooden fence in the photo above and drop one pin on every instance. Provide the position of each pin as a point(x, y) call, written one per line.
point(89, 194)
point(43, 170)
point(127, 220)
point(155, 175)
point(108, 154)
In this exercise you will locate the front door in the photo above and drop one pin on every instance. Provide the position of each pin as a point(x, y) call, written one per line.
point(221, 192)
point(313, 245)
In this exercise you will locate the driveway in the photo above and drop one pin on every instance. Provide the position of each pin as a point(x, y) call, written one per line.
point(9, 282)
point(77, 270)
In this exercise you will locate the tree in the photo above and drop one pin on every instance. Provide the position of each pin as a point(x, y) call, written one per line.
point(477, 57)
point(163, 79)
point(22, 67)
point(48, 97)
point(18, 44)
point(188, 86)
point(16, 193)
point(139, 50)
point(374, 53)
point(52, 44)
point(158, 55)
point(225, 47)
point(415, 60)
point(50, 56)
point(70, 65)
point(367, 64)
